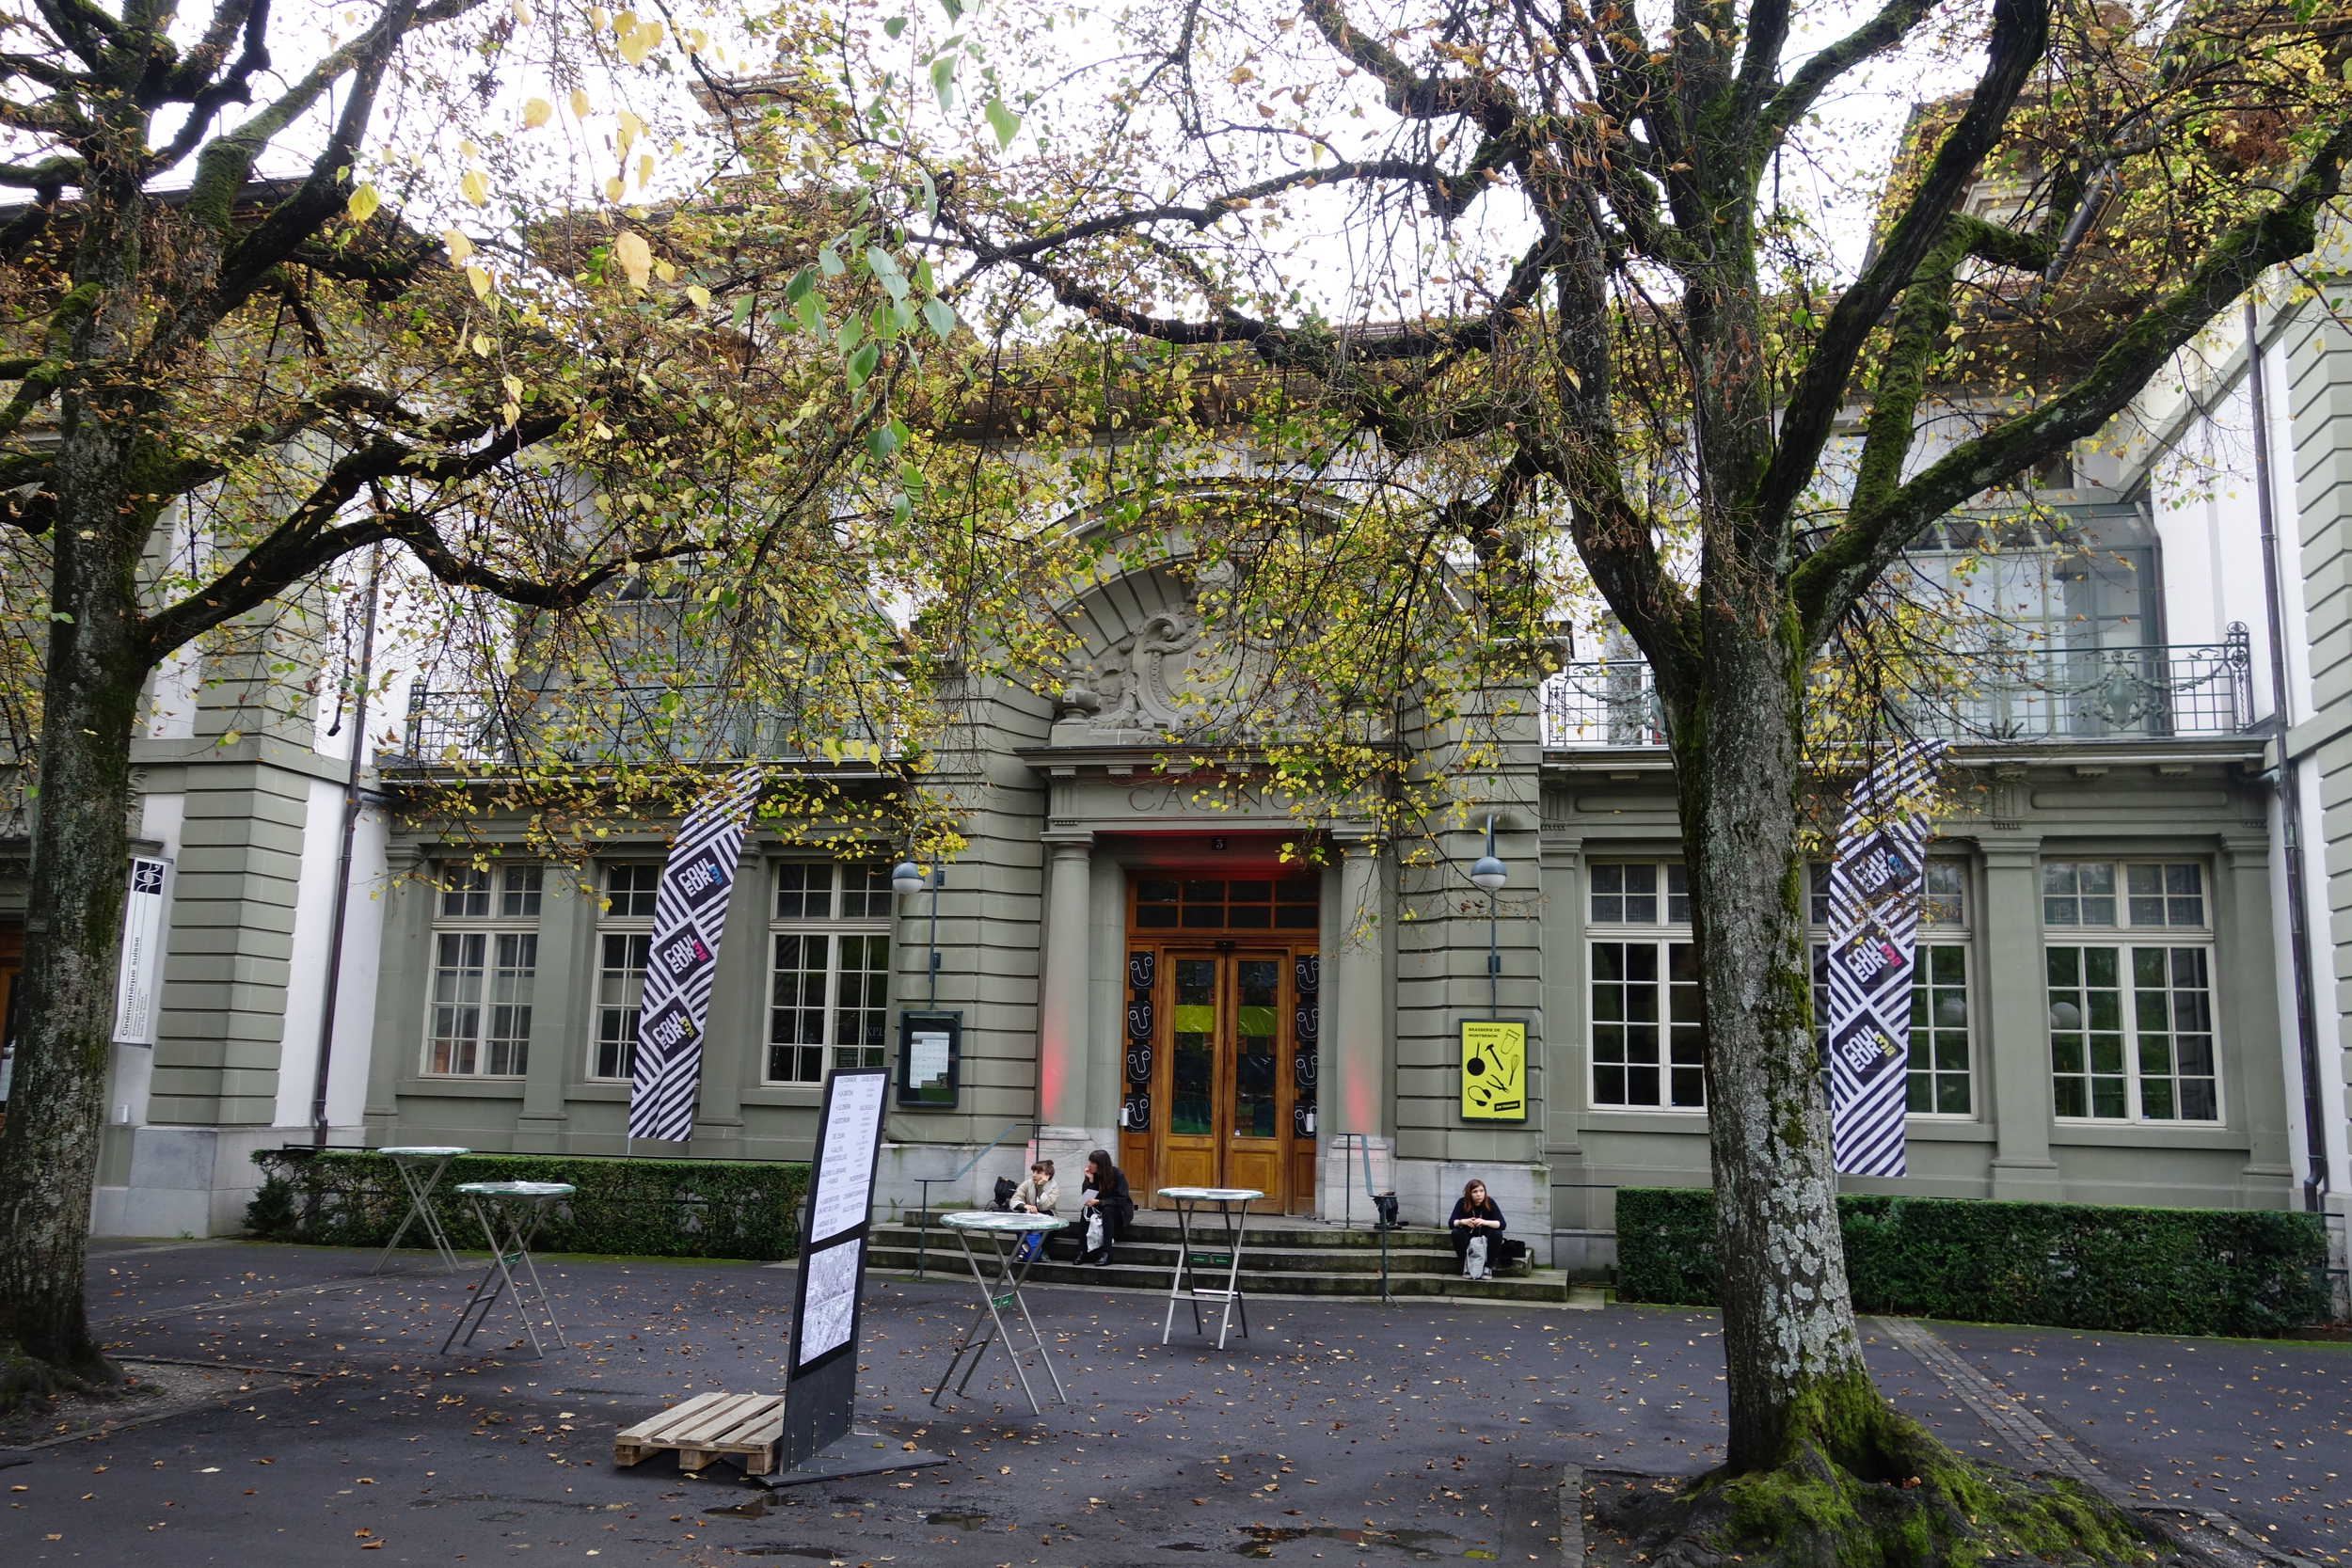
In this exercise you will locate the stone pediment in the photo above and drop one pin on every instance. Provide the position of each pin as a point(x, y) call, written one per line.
point(1151, 672)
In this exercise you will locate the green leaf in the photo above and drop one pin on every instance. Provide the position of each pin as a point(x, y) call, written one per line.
point(942, 317)
point(742, 308)
point(830, 263)
point(954, 10)
point(886, 270)
point(944, 80)
point(893, 27)
point(1003, 121)
point(813, 314)
point(901, 509)
point(851, 331)
point(802, 282)
point(931, 199)
point(882, 441)
point(862, 364)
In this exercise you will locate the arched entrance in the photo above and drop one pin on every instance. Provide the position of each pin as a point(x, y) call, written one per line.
point(1223, 1025)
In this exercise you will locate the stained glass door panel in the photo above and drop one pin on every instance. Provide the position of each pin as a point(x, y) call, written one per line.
point(1187, 1133)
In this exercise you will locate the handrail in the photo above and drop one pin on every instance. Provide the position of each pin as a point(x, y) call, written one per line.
point(923, 1222)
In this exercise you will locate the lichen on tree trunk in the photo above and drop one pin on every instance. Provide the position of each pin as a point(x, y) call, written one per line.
point(49, 1145)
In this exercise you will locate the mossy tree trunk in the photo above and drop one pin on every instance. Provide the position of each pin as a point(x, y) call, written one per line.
point(1788, 1325)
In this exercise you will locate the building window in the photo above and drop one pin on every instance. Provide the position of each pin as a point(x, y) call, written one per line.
point(485, 961)
point(830, 983)
point(1627, 893)
point(1290, 904)
point(2131, 1033)
point(629, 890)
point(1649, 1047)
point(623, 946)
point(2154, 894)
point(1939, 1031)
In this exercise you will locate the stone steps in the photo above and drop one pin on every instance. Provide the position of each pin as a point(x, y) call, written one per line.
point(1279, 1259)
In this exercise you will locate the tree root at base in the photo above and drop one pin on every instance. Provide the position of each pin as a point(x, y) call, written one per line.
point(24, 1379)
point(1936, 1510)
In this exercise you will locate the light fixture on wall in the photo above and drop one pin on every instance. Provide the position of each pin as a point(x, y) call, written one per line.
point(1488, 873)
point(907, 877)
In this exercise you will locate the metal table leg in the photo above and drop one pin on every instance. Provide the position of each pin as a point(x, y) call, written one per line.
point(1013, 1271)
point(478, 1309)
point(421, 1207)
point(1187, 1284)
point(1233, 1234)
point(1183, 1266)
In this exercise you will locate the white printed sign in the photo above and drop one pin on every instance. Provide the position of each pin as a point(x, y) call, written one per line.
point(829, 1301)
point(928, 1057)
point(845, 1166)
point(140, 979)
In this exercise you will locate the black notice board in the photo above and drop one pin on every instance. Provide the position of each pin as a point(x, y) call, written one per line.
point(930, 1059)
point(820, 1371)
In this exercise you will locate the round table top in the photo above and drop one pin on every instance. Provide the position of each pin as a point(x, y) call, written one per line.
point(517, 1189)
point(422, 1152)
point(1001, 1219)
point(1212, 1195)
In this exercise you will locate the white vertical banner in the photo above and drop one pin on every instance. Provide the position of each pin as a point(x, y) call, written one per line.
point(140, 978)
point(690, 910)
point(1876, 883)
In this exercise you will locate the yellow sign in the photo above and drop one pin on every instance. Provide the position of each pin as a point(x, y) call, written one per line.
point(1494, 1072)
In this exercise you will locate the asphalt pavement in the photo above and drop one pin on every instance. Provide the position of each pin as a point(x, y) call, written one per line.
point(1338, 1430)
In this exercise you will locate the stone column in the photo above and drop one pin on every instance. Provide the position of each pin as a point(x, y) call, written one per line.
point(561, 1000)
point(1062, 1078)
point(2246, 992)
point(2013, 1047)
point(1359, 1063)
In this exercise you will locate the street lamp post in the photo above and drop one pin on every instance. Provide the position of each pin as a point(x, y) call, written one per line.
point(907, 877)
point(1489, 875)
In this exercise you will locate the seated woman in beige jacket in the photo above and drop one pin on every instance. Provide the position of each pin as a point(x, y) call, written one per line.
point(1039, 1195)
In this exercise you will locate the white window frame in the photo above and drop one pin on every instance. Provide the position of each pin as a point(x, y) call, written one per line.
point(624, 927)
point(828, 927)
point(1665, 934)
point(505, 886)
point(2127, 937)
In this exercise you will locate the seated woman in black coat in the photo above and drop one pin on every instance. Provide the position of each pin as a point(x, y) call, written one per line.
point(1476, 1217)
point(1105, 1193)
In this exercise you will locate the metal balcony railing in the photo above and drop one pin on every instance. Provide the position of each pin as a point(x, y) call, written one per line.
point(516, 726)
point(1995, 693)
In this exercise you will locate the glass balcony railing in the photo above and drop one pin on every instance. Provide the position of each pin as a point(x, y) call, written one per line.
point(514, 727)
point(1994, 694)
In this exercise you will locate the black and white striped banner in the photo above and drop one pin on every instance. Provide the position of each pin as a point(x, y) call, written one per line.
point(688, 912)
point(1875, 886)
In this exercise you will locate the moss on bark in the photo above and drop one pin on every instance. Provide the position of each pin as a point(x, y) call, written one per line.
point(1861, 1485)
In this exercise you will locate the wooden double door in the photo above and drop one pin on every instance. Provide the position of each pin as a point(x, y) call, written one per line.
point(1222, 1056)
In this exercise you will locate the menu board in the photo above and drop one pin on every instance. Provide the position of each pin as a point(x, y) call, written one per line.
point(843, 1170)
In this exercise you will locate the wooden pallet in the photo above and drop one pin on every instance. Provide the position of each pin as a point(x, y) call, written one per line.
point(706, 1426)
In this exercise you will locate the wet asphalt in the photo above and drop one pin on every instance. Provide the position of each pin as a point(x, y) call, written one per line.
point(1339, 1432)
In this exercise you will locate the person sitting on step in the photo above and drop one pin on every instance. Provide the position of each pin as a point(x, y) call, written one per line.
point(1477, 1226)
point(1106, 1208)
point(1039, 1195)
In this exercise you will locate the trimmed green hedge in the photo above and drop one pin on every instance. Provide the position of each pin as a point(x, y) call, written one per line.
point(2065, 1265)
point(629, 1208)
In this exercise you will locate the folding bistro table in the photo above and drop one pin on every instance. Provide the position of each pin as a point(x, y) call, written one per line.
point(419, 1172)
point(521, 1207)
point(999, 1293)
point(1187, 1285)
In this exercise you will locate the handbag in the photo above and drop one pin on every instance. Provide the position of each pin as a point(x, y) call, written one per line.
point(1006, 1187)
